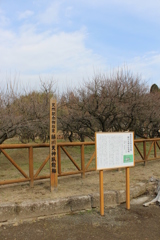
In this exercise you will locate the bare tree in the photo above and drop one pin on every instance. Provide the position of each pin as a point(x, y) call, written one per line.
point(72, 120)
point(25, 114)
point(120, 102)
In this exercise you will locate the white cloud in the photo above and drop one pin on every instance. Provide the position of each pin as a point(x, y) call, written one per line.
point(143, 4)
point(148, 66)
point(33, 54)
point(62, 54)
point(51, 14)
point(144, 9)
point(4, 21)
point(25, 14)
point(68, 11)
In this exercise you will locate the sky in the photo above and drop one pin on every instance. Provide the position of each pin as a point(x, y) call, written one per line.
point(69, 41)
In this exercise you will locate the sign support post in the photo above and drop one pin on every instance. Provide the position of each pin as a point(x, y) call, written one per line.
point(101, 192)
point(127, 189)
point(53, 145)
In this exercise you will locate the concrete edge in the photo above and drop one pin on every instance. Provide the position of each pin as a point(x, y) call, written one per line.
point(13, 212)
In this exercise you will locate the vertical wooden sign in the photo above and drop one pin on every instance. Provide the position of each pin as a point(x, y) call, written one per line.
point(53, 144)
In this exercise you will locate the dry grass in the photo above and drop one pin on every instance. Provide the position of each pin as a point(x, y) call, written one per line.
point(21, 157)
point(71, 185)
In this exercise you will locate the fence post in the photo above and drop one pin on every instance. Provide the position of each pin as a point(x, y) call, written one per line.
point(82, 161)
point(155, 150)
point(144, 152)
point(59, 160)
point(31, 166)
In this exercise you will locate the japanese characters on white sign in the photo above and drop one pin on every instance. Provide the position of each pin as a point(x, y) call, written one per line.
point(114, 150)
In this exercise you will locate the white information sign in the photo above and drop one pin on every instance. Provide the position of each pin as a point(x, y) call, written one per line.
point(114, 150)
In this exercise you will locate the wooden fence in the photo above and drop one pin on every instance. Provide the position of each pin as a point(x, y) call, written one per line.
point(145, 150)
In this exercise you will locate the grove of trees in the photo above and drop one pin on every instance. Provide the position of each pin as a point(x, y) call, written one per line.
point(25, 114)
point(119, 102)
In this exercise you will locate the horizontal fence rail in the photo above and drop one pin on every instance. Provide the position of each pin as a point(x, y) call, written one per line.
point(145, 150)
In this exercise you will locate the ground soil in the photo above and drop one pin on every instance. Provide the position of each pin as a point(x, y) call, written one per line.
point(138, 223)
point(75, 185)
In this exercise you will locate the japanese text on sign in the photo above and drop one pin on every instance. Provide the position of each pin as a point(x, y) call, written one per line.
point(114, 150)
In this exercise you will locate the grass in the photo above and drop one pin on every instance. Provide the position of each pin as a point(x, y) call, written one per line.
point(148, 145)
point(21, 157)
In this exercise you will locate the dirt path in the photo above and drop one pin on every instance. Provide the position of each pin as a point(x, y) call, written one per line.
point(138, 223)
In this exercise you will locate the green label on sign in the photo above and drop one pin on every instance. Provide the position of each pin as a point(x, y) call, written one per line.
point(127, 158)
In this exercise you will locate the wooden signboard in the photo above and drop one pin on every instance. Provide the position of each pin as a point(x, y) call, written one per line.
point(53, 144)
point(114, 150)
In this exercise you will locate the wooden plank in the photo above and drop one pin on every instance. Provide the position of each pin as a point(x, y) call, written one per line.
point(138, 151)
point(91, 159)
point(13, 162)
point(41, 167)
point(31, 166)
point(101, 192)
point(34, 145)
point(59, 160)
point(69, 173)
point(42, 177)
point(150, 159)
point(147, 140)
point(150, 150)
point(90, 170)
point(139, 161)
point(127, 189)
point(53, 145)
point(14, 181)
point(155, 150)
point(158, 144)
point(144, 152)
point(65, 144)
point(76, 172)
point(39, 145)
point(82, 161)
point(69, 156)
